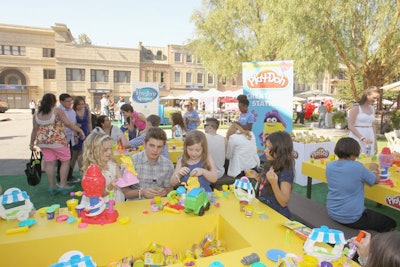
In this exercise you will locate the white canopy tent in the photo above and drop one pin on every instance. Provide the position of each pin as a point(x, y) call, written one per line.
point(392, 87)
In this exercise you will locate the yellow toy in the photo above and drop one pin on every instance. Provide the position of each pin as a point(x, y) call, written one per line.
point(192, 182)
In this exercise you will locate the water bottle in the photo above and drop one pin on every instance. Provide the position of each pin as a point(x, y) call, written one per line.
point(368, 149)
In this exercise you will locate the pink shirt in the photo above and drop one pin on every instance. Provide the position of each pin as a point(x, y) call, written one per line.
point(141, 125)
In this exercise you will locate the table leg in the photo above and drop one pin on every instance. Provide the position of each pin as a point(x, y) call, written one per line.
point(309, 184)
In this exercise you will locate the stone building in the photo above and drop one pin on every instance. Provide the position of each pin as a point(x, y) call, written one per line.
point(34, 61)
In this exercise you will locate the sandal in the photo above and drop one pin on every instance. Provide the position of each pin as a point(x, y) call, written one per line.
point(53, 191)
point(66, 190)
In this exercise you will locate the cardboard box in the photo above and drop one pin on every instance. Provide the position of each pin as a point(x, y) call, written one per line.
point(304, 152)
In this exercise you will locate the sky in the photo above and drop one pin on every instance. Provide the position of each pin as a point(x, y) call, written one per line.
point(119, 23)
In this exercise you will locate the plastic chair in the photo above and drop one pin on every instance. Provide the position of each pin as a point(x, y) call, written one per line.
point(393, 142)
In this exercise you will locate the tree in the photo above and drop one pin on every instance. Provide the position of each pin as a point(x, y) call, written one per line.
point(359, 37)
point(83, 39)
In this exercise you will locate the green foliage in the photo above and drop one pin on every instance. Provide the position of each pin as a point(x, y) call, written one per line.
point(339, 117)
point(360, 37)
point(395, 119)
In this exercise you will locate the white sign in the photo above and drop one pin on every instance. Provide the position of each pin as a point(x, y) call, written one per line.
point(145, 97)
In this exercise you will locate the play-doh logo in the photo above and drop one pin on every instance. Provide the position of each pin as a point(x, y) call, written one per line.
point(267, 79)
point(319, 153)
point(144, 95)
point(295, 154)
point(393, 201)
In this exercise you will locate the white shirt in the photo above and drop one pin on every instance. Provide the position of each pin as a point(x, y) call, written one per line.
point(115, 132)
point(216, 147)
point(242, 154)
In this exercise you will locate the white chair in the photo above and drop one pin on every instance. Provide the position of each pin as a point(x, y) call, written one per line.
point(393, 142)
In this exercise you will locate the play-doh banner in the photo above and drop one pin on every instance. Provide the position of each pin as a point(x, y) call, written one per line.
point(269, 89)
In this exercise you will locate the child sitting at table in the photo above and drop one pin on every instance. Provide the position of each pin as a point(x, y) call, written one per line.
point(346, 178)
point(275, 181)
point(97, 149)
point(195, 162)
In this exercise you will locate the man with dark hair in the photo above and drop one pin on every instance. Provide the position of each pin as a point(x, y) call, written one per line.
point(66, 106)
point(154, 171)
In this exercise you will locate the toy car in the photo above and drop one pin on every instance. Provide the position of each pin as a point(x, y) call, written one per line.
point(197, 201)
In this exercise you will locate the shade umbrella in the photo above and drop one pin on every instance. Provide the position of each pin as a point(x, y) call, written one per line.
point(313, 93)
point(299, 99)
point(392, 87)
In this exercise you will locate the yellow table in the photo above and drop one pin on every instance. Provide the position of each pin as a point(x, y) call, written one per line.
point(174, 154)
point(175, 149)
point(46, 241)
point(380, 193)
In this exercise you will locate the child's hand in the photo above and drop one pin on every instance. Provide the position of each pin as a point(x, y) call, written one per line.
point(272, 177)
point(183, 171)
point(374, 167)
point(363, 245)
point(196, 172)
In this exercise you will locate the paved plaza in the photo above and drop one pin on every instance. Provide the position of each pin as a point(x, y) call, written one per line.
point(15, 132)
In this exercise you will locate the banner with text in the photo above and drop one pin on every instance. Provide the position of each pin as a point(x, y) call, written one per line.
point(145, 97)
point(269, 89)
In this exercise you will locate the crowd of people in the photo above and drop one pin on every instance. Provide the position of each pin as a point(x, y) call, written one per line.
point(65, 133)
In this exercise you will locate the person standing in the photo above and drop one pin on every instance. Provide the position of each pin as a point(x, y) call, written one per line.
point(66, 106)
point(322, 113)
point(84, 121)
point(191, 117)
point(32, 106)
point(49, 135)
point(246, 118)
point(362, 120)
point(121, 102)
point(104, 104)
point(154, 171)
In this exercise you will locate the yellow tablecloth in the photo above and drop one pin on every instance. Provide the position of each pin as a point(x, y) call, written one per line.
point(46, 241)
point(380, 193)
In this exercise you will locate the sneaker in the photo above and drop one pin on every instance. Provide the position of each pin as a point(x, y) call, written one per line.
point(66, 190)
point(73, 179)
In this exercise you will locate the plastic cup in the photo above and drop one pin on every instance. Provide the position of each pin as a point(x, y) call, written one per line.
point(71, 205)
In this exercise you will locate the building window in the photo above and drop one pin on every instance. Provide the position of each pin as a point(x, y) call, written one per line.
point(147, 76)
point(122, 76)
point(75, 74)
point(188, 77)
point(188, 58)
point(210, 79)
point(223, 81)
point(49, 52)
point(198, 61)
point(177, 57)
point(159, 55)
point(199, 78)
point(99, 75)
point(49, 74)
point(154, 76)
point(177, 77)
point(233, 81)
point(162, 77)
point(9, 50)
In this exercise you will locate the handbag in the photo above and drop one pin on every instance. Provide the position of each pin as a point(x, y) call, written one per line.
point(33, 169)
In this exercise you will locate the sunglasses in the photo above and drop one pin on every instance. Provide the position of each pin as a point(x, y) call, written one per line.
point(205, 125)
